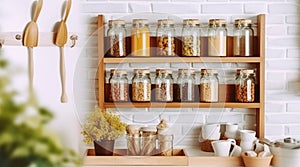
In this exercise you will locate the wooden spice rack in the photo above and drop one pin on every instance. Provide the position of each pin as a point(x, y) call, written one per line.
point(258, 60)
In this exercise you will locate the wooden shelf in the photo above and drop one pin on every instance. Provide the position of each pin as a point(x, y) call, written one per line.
point(180, 105)
point(175, 59)
point(259, 61)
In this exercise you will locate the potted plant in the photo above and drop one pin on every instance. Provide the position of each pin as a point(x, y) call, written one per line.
point(25, 138)
point(102, 128)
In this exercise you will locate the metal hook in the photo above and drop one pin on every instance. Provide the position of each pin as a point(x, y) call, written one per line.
point(18, 37)
point(74, 38)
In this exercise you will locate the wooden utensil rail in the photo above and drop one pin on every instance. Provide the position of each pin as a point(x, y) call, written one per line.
point(45, 39)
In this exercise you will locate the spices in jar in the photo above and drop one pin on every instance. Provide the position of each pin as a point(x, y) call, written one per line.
point(141, 86)
point(209, 85)
point(163, 85)
point(117, 38)
point(140, 38)
point(186, 85)
point(237, 79)
point(217, 37)
point(245, 86)
point(108, 96)
point(119, 87)
point(191, 37)
point(165, 35)
point(243, 38)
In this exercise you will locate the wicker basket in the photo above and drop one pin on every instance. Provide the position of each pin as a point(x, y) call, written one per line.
point(206, 146)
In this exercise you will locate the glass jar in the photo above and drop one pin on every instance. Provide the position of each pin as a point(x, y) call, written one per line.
point(165, 35)
point(191, 37)
point(148, 141)
point(217, 37)
point(236, 79)
point(243, 38)
point(117, 38)
point(186, 85)
point(165, 144)
point(245, 86)
point(108, 96)
point(119, 88)
point(209, 85)
point(133, 140)
point(163, 85)
point(141, 85)
point(140, 38)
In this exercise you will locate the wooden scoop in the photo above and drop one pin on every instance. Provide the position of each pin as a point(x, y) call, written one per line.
point(30, 40)
point(61, 40)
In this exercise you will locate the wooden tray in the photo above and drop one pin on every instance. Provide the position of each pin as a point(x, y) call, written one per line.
point(178, 159)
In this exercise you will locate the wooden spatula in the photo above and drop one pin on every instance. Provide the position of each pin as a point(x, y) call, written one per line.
point(61, 40)
point(30, 40)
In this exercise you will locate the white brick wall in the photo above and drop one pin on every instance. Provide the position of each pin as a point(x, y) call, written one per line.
point(282, 61)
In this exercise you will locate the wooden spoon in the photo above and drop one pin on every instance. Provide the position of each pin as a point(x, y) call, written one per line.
point(30, 40)
point(61, 40)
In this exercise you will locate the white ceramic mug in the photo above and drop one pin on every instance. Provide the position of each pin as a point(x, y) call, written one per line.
point(211, 131)
point(231, 135)
point(258, 147)
point(222, 147)
point(248, 145)
point(232, 127)
point(236, 151)
point(247, 135)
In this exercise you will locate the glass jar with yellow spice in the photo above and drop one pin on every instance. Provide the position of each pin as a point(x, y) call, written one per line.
point(140, 38)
